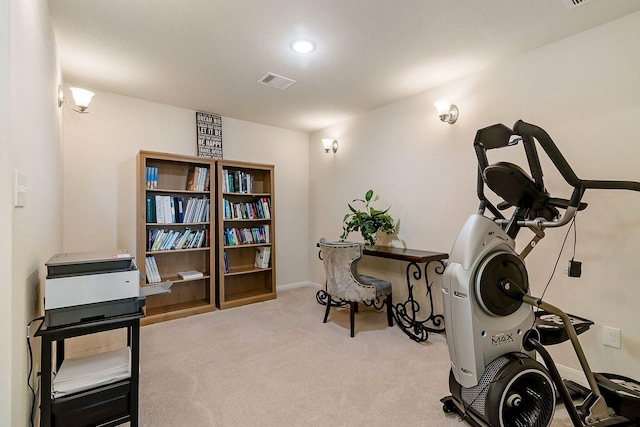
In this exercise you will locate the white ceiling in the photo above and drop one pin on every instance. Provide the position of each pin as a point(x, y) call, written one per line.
point(207, 55)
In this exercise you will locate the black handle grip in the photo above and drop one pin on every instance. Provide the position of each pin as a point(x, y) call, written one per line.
point(522, 128)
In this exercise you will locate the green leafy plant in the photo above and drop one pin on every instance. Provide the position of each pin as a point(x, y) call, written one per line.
point(368, 220)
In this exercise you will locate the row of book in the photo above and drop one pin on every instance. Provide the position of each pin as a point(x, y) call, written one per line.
point(263, 254)
point(172, 209)
point(246, 236)
point(165, 240)
point(153, 275)
point(236, 182)
point(198, 179)
point(151, 177)
point(258, 209)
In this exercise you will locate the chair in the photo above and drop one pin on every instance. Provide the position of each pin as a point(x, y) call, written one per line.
point(345, 284)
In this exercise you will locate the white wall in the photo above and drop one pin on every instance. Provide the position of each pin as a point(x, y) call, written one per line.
point(100, 165)
point(33, 149)
point(584, 91)
point(5, 213)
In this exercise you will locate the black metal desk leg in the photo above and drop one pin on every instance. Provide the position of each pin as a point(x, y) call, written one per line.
point(134, 335)
point(406, 312)
point(45, 382)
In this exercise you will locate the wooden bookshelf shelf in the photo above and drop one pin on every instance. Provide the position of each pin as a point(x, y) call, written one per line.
point(173, 251)
point(178, 310)
point(245, 269)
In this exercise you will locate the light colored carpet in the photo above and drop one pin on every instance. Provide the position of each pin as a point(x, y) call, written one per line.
point(276, 364)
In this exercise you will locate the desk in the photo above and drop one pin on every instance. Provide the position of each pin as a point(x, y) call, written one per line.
point(405, 313)
point(108, 405)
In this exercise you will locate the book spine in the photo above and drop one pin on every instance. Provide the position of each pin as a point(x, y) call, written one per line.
point(151, 208)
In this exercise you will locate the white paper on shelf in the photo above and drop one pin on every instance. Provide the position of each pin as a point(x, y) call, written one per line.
point(160, 288)
point(83, 373)
point(191, 274)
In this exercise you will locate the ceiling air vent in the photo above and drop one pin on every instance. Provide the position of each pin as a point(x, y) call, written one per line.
point(574, 3)
point(274, 80)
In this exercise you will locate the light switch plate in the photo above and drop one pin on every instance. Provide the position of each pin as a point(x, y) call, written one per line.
point(20, 189)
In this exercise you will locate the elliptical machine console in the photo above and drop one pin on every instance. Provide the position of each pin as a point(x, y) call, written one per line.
point(493, 331)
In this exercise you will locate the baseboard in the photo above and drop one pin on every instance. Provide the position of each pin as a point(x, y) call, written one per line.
point(571, 374)
point(296, 285)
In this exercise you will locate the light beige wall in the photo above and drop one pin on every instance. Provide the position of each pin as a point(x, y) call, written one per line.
point(100, 164)
point(584, 91)
point(5, 213)
point(33, 149)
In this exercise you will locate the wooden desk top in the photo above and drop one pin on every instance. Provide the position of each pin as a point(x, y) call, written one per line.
point(403, 254)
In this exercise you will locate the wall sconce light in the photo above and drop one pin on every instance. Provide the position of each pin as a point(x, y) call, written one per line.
point(446, 111)
point(330, 145)
point(81, 97)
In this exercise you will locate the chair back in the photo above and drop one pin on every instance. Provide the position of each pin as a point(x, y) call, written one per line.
point(340, 265)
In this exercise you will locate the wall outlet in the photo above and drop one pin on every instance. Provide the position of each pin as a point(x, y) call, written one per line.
point(611, 336)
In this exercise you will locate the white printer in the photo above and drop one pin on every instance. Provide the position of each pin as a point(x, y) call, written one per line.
point(89, 286)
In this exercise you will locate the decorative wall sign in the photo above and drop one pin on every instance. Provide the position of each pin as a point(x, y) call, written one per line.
point(209, 135)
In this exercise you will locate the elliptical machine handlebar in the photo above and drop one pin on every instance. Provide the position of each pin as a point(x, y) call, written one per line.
point(523, 129)
point(529, 131)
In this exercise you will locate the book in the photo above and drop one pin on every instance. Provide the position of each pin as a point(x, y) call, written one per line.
point(151, 208)
point(191, 175)
point(190, 275)
point(180, 211)
point(153, 276)
point(266, 204)
point(160, 210)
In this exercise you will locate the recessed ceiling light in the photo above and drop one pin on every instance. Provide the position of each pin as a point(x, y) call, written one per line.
point(303, 46)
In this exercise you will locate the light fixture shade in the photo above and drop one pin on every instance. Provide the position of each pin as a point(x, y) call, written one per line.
point(447, 112)
point(82, 97)
point(329, 145)
point(442, 106)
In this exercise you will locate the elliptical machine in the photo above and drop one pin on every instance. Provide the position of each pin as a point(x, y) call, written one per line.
point(493, 331)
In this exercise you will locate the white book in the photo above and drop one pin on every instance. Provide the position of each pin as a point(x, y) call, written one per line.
point(167, 209)
point(266, 257)
point(160, 210)
point(267, 239)
point(154, 269)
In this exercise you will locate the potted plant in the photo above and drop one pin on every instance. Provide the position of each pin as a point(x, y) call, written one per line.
point(368, 220)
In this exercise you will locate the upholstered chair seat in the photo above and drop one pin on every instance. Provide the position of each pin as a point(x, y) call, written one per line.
point(345, 284)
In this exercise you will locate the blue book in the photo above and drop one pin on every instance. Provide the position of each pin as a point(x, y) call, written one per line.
point(180, 210)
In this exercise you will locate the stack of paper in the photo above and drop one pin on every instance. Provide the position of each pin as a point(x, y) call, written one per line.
point(190, 275)
point(84, 373)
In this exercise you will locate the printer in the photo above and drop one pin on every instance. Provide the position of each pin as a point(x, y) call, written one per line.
point(87, 286)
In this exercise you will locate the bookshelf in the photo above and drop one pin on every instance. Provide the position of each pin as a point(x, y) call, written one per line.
point(174, 216)
point(245, 226)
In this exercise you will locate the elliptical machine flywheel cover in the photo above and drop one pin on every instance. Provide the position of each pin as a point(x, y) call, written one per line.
point(514, 391)
point(496, 268)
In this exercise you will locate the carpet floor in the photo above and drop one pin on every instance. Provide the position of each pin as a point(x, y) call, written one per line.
point(276, 364)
